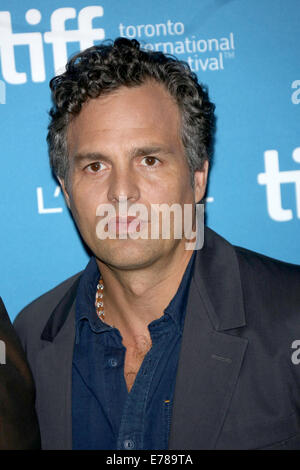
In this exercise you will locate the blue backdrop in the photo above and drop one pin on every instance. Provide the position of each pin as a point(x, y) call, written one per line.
point(246, 52)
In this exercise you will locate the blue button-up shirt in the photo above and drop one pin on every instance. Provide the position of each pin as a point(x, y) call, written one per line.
point(104, 414)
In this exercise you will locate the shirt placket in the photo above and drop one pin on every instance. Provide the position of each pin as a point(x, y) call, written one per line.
point(114, 388)
point(131, 432)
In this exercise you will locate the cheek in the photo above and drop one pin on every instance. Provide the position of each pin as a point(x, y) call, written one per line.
point(83, 207)
point(169, 192)
point(86, 195)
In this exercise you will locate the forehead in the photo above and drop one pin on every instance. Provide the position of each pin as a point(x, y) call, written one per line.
point(146, 111)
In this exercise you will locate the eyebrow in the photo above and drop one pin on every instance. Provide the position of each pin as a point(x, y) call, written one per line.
point(136, 152)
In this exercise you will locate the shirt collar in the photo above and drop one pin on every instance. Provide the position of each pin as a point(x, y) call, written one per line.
point(85, 298)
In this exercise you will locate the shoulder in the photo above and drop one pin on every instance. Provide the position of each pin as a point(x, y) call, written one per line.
point(263, 279)
point(264, 271)
point(33, 318)
point(271, 292)
point(254, 259)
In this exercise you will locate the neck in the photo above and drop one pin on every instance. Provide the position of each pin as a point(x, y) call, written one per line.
point(134, 298)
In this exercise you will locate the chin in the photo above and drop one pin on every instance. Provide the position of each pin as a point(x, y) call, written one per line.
point(128, 254)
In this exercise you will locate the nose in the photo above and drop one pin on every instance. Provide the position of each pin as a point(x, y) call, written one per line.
point(123, 185)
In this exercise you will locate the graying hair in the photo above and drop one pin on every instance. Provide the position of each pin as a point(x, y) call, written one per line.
point(103, 68)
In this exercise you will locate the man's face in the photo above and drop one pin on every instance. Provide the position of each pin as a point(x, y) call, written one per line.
point(126, 146)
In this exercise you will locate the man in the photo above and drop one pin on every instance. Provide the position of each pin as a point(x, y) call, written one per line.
point(154, 345)
point(18, 421)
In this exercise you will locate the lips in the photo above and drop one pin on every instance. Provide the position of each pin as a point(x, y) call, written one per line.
point(127, 224)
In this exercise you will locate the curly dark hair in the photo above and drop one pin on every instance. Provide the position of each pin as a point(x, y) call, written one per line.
point(105, 67)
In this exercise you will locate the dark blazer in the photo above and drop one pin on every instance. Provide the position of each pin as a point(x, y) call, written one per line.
point(236, 385)
point(18, 421)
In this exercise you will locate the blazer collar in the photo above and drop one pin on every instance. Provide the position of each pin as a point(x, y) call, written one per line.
point(210, 359)
point(59, 315)
point(217, 277)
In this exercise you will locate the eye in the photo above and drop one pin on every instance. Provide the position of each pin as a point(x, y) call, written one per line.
point(150, 161)
point(95, 167)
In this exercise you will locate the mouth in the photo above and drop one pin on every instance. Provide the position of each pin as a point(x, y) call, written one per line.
point(129, 224)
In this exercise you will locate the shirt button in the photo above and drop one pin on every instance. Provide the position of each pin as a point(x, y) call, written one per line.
point(113, 362)
point(128, 444)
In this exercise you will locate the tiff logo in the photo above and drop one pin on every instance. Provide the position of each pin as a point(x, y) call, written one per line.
point(273, 178)
point(59, 37)
point(2, 352)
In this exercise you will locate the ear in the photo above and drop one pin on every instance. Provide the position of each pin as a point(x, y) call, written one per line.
point(200, 181)
point(66, 194)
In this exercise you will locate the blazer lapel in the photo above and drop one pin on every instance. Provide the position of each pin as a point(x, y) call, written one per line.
point(210, 360)
point(54, 375)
